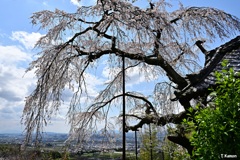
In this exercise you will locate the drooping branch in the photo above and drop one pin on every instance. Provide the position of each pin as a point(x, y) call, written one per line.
point(160, 121)
point(100, 105)
point(148, 105)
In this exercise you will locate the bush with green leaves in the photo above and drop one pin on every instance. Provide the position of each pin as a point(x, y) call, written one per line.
point(216, 128)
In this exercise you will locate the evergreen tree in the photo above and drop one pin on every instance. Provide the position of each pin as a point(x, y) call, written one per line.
point(150, 149)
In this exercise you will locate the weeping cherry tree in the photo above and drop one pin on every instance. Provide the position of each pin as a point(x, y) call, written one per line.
point(160, 45)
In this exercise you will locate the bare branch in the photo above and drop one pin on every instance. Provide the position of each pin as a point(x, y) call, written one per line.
point(199, 44)
point(161, 121)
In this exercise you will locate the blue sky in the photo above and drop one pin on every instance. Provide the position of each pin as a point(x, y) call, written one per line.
point(17, 38)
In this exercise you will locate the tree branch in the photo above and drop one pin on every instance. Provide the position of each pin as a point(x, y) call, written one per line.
point(160, 61)
point(160, 121)
point(199, 44)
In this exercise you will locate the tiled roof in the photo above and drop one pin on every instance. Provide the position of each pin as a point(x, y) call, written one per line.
point(230, 51)
point(205, 78)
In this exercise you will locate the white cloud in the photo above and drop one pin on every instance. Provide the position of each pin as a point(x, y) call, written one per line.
point(13, 90)
point(12, 55)
point(76, 3)
point(80, 3)
point(93, 83)
point(45, 3)
point(15, 84)
point(28, 40)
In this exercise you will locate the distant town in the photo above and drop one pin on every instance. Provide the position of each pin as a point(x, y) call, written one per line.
point(57, 140)
point(50, 139)
point(97, 146)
